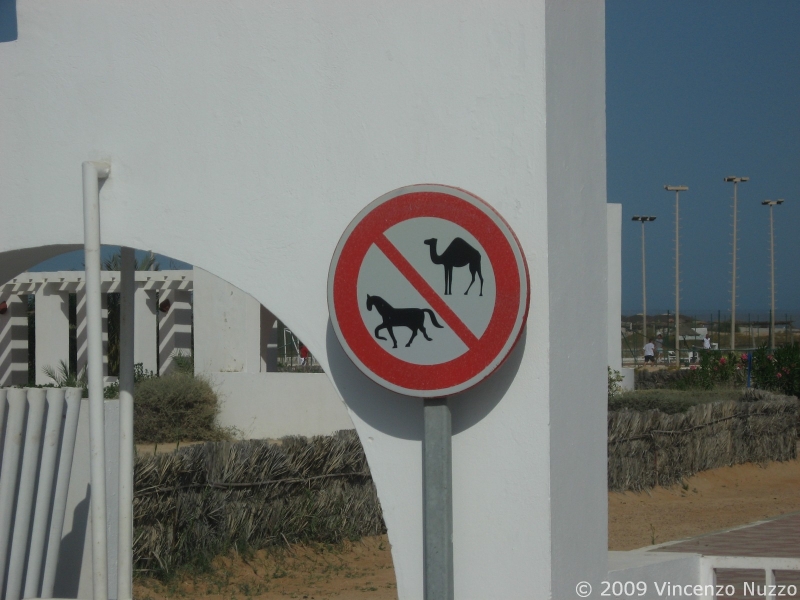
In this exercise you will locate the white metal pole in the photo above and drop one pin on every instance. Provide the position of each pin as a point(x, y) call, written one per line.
point(644, 291)
point(125, 551)
point(677, 283)
point(92, 172)
point(772, 279)
point(733, 279)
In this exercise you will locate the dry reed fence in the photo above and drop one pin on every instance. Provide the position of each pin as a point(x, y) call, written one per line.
point(203, 500)
point(651, 448)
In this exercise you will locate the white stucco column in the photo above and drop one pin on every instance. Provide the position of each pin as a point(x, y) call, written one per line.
point(174, 327)
point(145, 338)
point(14, 341)
point(80, 334)
point(614, 228)
point(269, 341)
point(52, 330)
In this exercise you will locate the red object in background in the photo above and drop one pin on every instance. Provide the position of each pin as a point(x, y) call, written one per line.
point(3, 308)
point(303, 352)
point(164, 306)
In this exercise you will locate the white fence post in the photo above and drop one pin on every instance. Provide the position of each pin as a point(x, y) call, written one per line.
point(145, 340)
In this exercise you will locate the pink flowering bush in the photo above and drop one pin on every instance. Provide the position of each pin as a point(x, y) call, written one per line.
point(778, 370)
point(716, 368)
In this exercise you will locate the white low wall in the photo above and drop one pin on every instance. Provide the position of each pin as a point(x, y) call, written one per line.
point(658, 571)
point(628, 382)
point(273, 405)
point(74, 572)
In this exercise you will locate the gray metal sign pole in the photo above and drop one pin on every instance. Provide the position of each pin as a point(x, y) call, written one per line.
point(437, 491)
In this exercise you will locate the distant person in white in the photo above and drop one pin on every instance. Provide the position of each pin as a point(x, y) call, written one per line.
point(649, 352)
point(659, 347)
point(707, 342)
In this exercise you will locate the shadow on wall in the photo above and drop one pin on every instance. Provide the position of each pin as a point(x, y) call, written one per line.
point(70, 555)
point(401, 416)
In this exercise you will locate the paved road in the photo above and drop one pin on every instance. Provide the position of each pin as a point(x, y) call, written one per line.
point(778, 537)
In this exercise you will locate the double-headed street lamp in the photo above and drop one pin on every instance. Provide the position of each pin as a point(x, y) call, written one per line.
point(644, 220)
point(677, 189)
point(735, 181)
point(771, 204)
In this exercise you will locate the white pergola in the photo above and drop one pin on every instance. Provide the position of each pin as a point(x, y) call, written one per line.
point(52, 290)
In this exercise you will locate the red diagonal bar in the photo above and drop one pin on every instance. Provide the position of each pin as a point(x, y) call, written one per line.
point(426, 291)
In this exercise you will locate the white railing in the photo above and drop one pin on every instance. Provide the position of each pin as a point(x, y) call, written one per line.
point(709, 565)
point(37, 436)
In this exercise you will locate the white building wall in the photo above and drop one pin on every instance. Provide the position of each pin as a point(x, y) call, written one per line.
point(244, 136)
point(273, 405)
point(234, 333)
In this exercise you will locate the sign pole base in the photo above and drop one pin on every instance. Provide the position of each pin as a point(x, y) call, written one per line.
point(437, 491)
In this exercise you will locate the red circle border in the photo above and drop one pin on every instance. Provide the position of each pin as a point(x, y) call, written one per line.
point(415, 379)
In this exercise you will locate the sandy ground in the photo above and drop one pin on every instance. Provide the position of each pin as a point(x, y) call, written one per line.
point(710, 501)
point(356, 571)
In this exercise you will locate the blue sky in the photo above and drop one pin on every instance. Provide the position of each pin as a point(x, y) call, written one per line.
point(73, 261)
point(697, 91)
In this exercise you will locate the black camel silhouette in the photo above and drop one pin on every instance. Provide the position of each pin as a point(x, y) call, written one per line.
point(458, 254)
point(413, 318)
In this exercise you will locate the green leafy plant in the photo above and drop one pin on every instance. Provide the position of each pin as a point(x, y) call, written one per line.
point(62, 377)
point(614, 380)
point(184, 362)
point(111, 391)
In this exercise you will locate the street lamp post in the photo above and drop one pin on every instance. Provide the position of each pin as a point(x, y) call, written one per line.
point(644, 220)
point(735, 181)
point(771, 204)
point(677, 189)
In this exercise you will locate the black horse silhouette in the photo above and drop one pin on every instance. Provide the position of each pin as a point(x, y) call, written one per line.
point(458, 254)
point(413, 318)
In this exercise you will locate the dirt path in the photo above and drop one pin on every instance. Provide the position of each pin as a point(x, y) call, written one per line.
point(711, 501)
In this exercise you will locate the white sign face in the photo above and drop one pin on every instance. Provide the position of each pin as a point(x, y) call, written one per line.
point(428, 290)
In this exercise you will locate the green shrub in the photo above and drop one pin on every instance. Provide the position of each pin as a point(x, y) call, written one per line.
point(614, 380)
point(176, 407)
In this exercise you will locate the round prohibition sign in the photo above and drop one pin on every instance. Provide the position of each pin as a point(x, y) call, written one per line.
point(471, 346)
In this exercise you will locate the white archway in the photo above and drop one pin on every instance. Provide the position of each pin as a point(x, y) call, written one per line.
point(243, 137)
